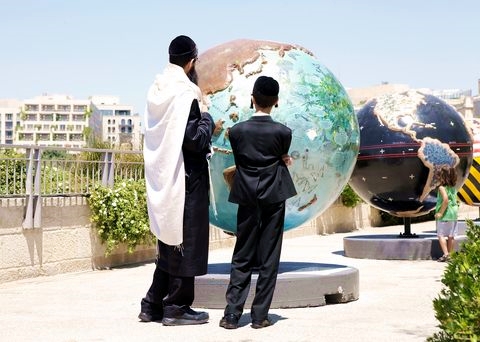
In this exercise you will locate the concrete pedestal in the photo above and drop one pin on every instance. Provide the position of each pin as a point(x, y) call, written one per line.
point(385, 247)
point(299, 284)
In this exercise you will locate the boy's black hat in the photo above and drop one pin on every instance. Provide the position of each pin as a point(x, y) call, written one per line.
point(266, 86)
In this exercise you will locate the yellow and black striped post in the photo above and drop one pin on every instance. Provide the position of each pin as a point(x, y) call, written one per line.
point(469, 193)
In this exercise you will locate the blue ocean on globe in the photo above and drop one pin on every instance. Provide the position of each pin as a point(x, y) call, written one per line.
point(312, 102)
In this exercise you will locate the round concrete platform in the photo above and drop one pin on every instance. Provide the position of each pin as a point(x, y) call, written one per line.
point(393, 247)
point(299, 284)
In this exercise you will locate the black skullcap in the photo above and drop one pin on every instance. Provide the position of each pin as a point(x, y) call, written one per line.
point(265, 86)
point(182, 46)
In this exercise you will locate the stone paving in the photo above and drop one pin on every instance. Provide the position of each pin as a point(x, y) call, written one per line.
point(394, 304)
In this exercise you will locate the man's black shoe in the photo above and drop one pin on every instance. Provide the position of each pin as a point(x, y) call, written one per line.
point(229, 321)
point(183, 315)
point(261, 324)
point(149, 317)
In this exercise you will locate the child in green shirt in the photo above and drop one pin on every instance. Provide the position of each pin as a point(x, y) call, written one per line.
point(446, 211)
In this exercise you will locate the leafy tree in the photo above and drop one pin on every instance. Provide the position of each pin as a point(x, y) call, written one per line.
point(457, 307)
point(54, 154)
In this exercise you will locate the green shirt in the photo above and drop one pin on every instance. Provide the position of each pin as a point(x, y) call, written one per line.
point(451, 213)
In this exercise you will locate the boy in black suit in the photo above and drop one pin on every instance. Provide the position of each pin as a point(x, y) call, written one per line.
point(261, 185)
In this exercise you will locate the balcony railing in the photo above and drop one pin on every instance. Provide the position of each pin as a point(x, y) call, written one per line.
point(33, 172)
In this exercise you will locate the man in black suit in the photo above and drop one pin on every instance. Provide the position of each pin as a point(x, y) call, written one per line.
point(176, 148)
point(261, 185)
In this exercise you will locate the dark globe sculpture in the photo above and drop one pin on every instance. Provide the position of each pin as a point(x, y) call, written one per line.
point(405, 139)
point(312, 103)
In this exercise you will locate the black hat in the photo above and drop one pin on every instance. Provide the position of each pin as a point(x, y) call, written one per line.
point(182, 46)
point(265, 86)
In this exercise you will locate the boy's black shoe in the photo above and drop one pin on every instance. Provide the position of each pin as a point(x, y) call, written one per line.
point(229, 321)
point(261, 324)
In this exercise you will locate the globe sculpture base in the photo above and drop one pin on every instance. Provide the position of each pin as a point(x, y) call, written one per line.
point(299, 284)
point(407, 231)
point(393, 247)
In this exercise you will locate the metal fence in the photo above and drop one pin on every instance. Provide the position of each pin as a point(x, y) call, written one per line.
point(33, 172)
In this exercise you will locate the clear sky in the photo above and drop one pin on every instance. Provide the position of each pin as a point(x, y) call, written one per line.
point(115, 47)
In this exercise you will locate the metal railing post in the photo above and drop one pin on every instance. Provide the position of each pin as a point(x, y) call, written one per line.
point(33, 212)
point(108, 169)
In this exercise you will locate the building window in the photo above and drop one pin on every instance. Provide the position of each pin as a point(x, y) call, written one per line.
point(79, 108)
point(31, 107)
point(62, 117)
point(79, 117)
point(123, 112)
point(106, 112)
point(64, 108)
point(48, 108)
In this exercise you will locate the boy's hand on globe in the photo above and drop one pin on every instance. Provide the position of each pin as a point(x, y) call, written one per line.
point(218, 127)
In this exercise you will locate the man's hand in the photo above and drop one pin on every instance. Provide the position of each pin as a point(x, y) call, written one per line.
point(287, 159)
point(205, 104)
point(218, 127)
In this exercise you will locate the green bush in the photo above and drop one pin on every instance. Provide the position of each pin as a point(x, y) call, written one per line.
point(120, 215)
point(13, 167)
point(457, 307)
point(349, 198)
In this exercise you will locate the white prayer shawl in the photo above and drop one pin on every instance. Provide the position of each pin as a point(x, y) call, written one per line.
point(168, 106)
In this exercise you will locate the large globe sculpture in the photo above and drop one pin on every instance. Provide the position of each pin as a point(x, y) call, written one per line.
point(405, 139)
point(312, 103)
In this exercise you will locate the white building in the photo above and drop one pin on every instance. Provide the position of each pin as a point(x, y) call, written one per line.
point(9, 115)
point(114, 123)
point(61, 120)
point(461, 100)
point(52, 120)
point(476, 103)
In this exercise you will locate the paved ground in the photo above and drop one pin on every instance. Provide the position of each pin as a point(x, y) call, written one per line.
point(395, 303)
